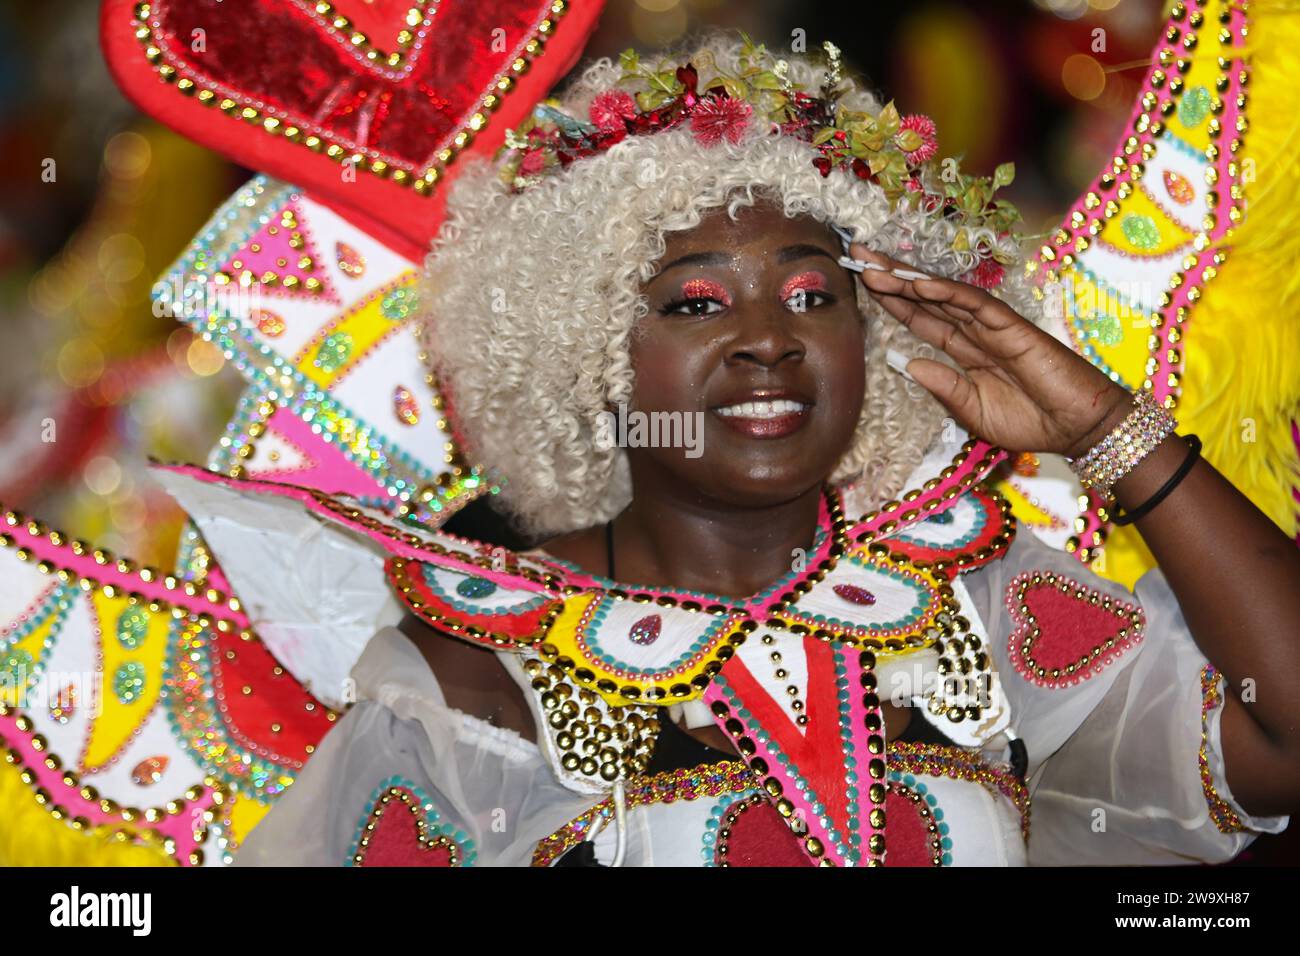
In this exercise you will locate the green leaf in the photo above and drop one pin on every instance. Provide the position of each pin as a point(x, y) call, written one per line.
point(765, 80)
point(824, 135)
point(735, 88)
point(888, 121)
point(666, 81)
point(908, 140)
point(630, 61)
point(1004, 175)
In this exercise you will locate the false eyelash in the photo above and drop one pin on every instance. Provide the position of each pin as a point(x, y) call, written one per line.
point(668, 308)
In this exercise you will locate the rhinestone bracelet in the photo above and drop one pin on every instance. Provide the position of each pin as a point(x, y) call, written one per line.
point(1133, 439)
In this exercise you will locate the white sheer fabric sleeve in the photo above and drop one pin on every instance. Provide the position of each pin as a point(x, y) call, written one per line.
point(1139, 778)
point(486, 784)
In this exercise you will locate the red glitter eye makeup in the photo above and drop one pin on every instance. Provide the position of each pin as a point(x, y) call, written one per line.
point(803, 282)
point(705, 289)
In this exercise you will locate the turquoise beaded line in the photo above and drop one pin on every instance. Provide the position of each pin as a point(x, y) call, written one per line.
point(909, 780)
point(19, 662)
point(592, 633)
point(429, 573)
point(1180, 145)
point(801, 785)
point(903, 622)
point(469, 852)
point(708, 852)
point(1084, 333)
point(981, 519)
point(843, 694)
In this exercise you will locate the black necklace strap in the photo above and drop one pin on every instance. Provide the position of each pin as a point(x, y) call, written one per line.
point(609, 549)
point(1193, 453)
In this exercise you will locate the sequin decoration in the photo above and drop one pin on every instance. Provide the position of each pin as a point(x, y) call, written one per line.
point(16, 667)
point(149, 771)
point(132, 627)
point(646, 630)
point(405, 407)
point(476, 588)
point(854, 594)
point(1106, 329)
point(128, 682)
point(1141, 231)
point(1179, 187)
point(1221, 812)
point(351, 262)
point(64, 704)
point(268, 323)
point(943, 517)
point(334, 352)
point(1194, 107)
point(1025, 464)
point(397, 305)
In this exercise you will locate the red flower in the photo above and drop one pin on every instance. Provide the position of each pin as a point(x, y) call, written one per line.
point(716, 118)
point(988, 274)
point(610, 109)
point(532, 163)
point(923, 127)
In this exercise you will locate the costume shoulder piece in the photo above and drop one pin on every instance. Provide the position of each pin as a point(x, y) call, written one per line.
point(880, 583)
point(790, 673)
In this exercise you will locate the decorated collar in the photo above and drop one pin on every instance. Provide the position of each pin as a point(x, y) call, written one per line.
point(880, 584)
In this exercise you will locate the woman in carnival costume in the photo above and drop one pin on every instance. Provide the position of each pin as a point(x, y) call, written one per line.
point(805, 633)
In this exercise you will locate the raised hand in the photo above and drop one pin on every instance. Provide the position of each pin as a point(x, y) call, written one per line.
point(1018, 387)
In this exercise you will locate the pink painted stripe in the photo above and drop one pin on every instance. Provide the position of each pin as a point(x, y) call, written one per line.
point(127, 582)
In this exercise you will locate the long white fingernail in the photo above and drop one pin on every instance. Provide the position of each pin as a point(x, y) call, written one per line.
point(898, 362)
point(860, 265)
point(909, 274)
point(846, 237)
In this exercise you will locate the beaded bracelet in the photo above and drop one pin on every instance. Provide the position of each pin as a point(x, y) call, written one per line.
point(1127, 444)
point(1193, 453)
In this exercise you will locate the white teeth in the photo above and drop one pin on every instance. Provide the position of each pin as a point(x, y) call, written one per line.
point(782, 406)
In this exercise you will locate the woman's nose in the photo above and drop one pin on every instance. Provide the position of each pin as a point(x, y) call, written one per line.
point(763, 337)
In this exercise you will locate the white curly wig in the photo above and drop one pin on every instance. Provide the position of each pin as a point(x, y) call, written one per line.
point(529, 299)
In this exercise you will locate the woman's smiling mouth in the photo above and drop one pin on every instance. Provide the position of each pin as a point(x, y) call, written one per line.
point(765, 418)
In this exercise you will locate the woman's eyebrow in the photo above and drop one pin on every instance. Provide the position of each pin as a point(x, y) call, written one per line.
point(802, 251)
point(699, 259)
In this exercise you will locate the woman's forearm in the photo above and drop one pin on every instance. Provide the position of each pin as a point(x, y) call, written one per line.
point(1237, 580)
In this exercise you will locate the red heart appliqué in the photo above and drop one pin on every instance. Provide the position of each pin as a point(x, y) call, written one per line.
point(913, 837)
point(1066, 632)
point(398, 832)
point(752, 833)
point(396, 88)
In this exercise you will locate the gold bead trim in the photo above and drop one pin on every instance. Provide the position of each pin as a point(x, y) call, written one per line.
point(593, 739)
point(135, 820)
point(706, 780)
point(427, 840)
point(942, 760)
point(1221, 812)
point(120, 577)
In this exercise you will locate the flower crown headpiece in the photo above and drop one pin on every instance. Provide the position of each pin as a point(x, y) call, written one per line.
point(895, 152)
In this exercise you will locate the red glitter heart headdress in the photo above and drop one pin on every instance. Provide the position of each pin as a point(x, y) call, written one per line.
point(304, 89)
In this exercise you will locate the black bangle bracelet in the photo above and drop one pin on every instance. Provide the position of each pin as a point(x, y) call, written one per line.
point(1194, 444)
